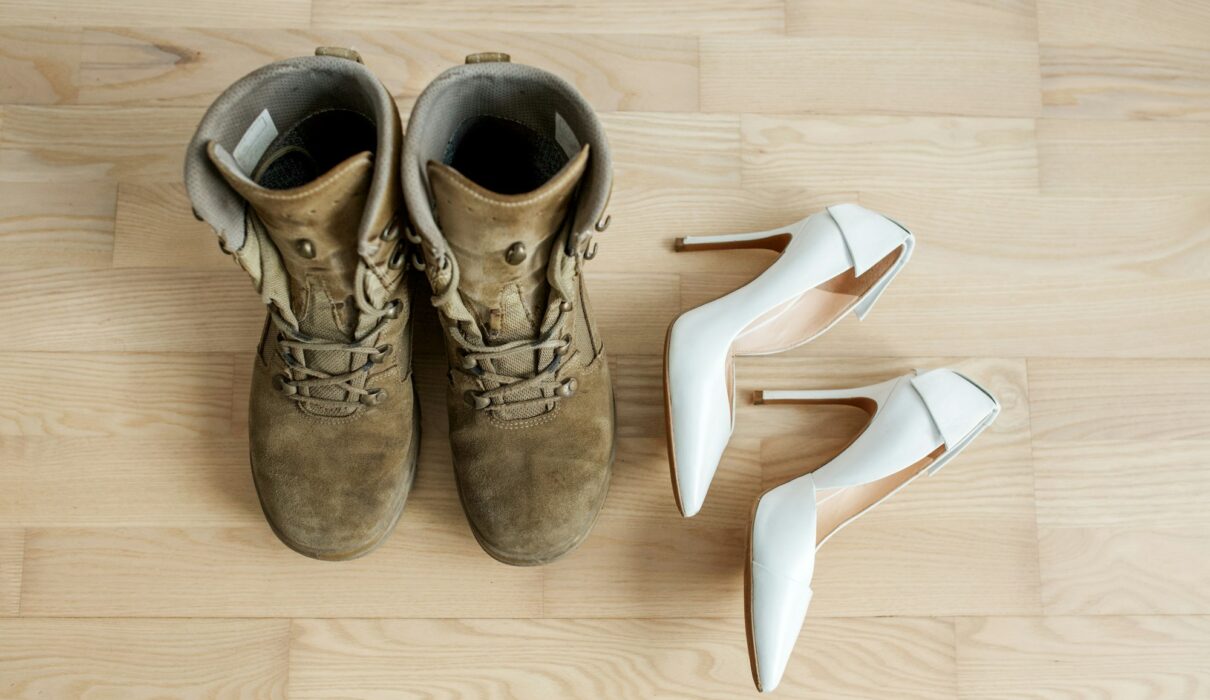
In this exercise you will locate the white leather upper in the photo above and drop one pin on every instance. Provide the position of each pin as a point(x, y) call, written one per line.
point(916, 414)
point(821, 247)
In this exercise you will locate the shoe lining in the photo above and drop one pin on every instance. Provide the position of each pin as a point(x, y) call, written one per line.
point(502, 155)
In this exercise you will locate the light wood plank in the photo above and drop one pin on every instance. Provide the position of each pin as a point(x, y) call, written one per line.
point(192, 66)
point(38, 65)
point(887, 152)
point(131, 311)
point(155, 227)
point(624, 16)
point(889, 76)
point(52, 144)
point(118, 394)
point(632, 311)
point(159, 479)
point(54, 225)
point(1157, 22)
point(144, 659)
point(151, 572)
point(674, 150)
point(1081, 81)
point(219, 13)
point(1144, 484)
point(614, 658)
point(1123, 157)
point(1107, 570)
point(1114, 657)
point(907, 19)
point(1147, 401)
point(1027, 239)
point(12, 553)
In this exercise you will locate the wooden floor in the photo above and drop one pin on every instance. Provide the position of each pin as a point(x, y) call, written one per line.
point(1053, 158)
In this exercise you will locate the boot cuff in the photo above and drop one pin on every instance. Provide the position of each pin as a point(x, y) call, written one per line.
point(289, 90)
point(530, 96)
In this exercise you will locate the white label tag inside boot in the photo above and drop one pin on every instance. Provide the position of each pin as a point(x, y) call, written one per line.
point(566, 137)
point(255, 141)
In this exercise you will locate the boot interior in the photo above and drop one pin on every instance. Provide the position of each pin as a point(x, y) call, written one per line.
point(503, 155)
point(313, 146)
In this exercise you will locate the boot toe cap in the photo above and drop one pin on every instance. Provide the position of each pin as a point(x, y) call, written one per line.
point(542, 519)
point(332, 492)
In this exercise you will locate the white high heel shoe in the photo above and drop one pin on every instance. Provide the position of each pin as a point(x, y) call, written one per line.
point(918, 423)
point(833, 262)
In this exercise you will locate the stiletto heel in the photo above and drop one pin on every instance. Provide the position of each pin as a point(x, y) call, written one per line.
point(831, 263)
point(918, 422)
point(865, 397)
point(774, 239)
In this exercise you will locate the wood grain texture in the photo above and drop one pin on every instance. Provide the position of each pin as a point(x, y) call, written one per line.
point(39, 65)
point(1082, 81)
point(143, 659)
point(152, 572)
point(12, 554)
point(56, 225)
point(890, 76)
point(905, 19)
point(52, 144)
point(612, 658)
point(625, 16)
point(81, 394)
point(889, 152)
point(1049, 155)
point(1181, 22)
point(1126, 157)
point(1134, 657)
point(221, 13)
point(168, 66)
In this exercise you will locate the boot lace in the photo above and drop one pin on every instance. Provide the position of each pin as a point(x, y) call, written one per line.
point(292, 343)
point(479, 360)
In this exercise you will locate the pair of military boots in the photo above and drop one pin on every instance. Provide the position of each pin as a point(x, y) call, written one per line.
point(302, 169)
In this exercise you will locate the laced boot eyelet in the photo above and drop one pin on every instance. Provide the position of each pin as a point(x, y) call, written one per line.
point(565, 348)
point(282, 383)
point(394, 309)
point(374, 398)
point(381, 355)
point(476, 401)
point(566, 305)
point(391, 232)
point(397, 258)
point(568, 387)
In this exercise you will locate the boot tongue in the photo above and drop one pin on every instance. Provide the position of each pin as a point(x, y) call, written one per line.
point(502, 243)
point(314, 227)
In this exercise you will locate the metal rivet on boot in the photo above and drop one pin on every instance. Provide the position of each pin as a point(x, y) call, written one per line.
point(397, 258)
point(515, 254)
point(374, 397)
point(488, 57)
point(393, 309)
point(282, 384)
point(568, 387)
point(476, 400)
point(565, 305)
point(305, 248)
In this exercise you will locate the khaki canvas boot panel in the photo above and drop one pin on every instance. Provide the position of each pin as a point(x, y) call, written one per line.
point(503, 243)
point(314, 228)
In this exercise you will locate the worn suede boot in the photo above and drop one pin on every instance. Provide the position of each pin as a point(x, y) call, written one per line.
point(296, 167)
point(506, 174)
